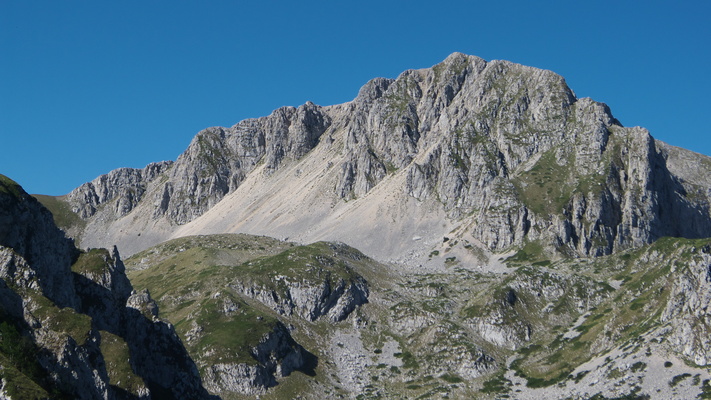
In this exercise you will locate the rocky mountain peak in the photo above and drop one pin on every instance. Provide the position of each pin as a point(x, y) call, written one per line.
point(125, 184)
point(506, 152)
point(372, 90)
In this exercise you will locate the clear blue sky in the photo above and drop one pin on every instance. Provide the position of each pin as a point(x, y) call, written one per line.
point(89, 86)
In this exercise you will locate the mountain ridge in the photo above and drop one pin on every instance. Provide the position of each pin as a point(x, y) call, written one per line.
point(464, 138)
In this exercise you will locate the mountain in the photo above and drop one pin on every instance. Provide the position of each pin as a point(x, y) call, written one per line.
point(467, 230)
point(497, 153)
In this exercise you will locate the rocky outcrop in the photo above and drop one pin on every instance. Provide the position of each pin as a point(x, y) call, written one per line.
point(332, 297)
point(124, 187)
point(239, 378)
point(219, 159)
point(64, 341)
point(484, 137)
point(319, 280)
point(532, 301)
point(276, 356)
point(60, 299)
point(143, 302)
point(159, 357)
point(102, 287)
point(503, 150)
point(493, 155)
point(28, 228)
point(687, 309)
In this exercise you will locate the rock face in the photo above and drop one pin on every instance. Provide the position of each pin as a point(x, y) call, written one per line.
point(28, 229)
point(219, 159)
point(235, 296)
point(503, 152)
point(687, 310)
point(326, 286)
point(332, 299)
point(277, 356)
point(505, 318)
point(64, 304)
point(127, 185)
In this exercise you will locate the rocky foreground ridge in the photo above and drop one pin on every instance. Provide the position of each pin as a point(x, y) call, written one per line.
point(72, 326)
point(259, 316)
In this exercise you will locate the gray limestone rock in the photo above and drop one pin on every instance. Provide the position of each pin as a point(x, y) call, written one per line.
point(498, 153)
point(309, 298)
point(505, 149)
point(124, 186)
point(219, 159)
point(276, 356)
point(687, 310)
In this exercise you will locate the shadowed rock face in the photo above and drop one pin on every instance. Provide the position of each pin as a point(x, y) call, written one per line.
point(28, 228)
point(67, 302)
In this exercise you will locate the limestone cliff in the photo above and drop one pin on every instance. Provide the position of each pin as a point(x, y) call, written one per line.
point(126, 185)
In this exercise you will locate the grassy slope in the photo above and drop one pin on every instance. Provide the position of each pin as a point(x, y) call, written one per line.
point(184, 275)
point(188, 279)
point(645, 277)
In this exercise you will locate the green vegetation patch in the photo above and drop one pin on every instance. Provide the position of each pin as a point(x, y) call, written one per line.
point(229, 337)
point(638, 366)
point(117, 358)
point(64, 321)
point(20, 368)
point(548, 186)
point(678, 379)
point(624, 315)
point(705, 389)
point(20, 386)
point(496, 384)
point(531, 252)
point(222, 249)
point(451, 378)
point(193, 280)
point(64, 217)
point(8, 186)
point(93, 261)
point(545, 188)
point(312, 265)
